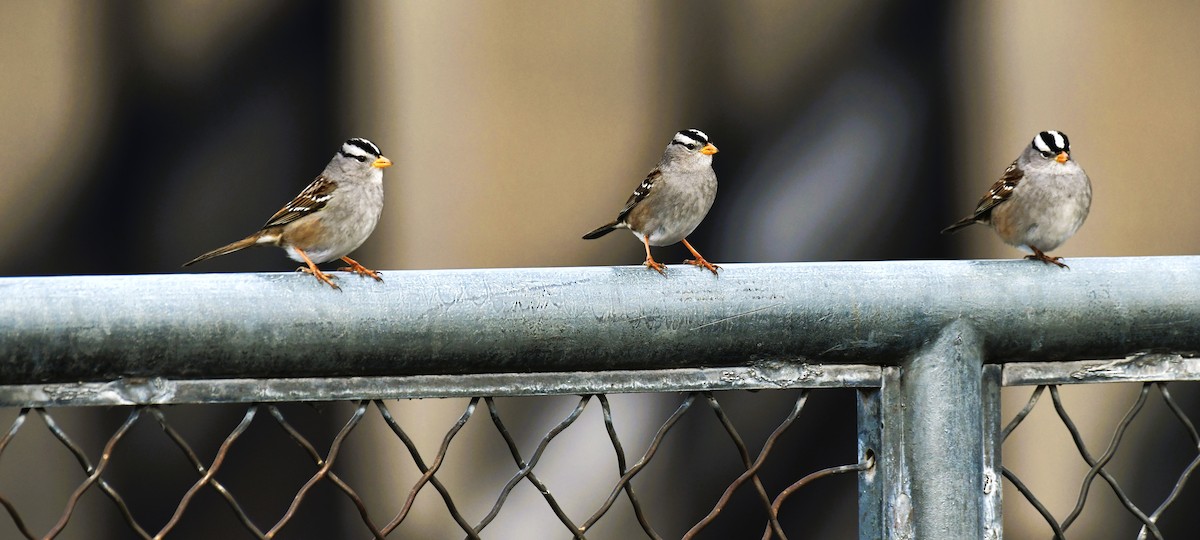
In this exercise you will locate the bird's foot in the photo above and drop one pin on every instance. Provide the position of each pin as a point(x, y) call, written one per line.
point(1039, 256)
point(359, 269)
point(321, 276)
point(657, 266)
point(703, 264)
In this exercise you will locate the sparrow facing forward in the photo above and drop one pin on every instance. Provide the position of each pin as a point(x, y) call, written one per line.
point(1040, 200)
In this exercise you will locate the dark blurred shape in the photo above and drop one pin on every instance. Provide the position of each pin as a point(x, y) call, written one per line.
point(828, 175)
point(189, 150)
point(188, 146)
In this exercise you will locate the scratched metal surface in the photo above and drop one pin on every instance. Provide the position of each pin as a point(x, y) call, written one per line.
point(91, 328)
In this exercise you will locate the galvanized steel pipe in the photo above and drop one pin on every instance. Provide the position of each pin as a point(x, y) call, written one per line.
point(75, 328)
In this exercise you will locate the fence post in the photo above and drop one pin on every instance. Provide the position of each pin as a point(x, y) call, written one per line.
point(993, 511)
point(884, 491)
point(944, 434)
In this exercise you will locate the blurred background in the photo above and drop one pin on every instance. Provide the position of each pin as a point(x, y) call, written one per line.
point(138, 134)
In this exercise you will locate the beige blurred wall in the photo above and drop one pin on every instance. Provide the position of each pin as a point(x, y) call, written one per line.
point(52, 101)
point(507, 120)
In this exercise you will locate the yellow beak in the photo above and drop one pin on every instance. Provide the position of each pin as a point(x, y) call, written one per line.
point(381, 163)
point(708, 149)
point(1062, 157)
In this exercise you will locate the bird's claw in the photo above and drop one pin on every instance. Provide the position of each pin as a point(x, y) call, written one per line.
point(321, 276)
point(657, 266)
point(703, 264)
point(1039, 256)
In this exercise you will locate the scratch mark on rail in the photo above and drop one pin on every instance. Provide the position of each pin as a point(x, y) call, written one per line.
point(731, 317)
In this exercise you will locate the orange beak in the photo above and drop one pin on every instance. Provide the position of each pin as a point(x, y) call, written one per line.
point(1062, 157)
point(708, 149)
point(381, 163)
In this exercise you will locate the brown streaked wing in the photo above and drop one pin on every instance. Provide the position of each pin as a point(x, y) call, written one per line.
point(313, 198)
point(1000, 191)
point(640, 193)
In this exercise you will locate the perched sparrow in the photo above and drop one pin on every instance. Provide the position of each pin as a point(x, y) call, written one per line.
point(1039, 202)
point(332, 216)
point(672, 200)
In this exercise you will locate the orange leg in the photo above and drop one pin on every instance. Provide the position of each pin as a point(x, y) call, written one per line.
point(650, 262)
point(699, 260)
point(1039, 256)
point(359, 269)
point(312, 269)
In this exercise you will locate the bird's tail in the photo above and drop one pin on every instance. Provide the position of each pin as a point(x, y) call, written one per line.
point(603, 230)
point(964, 222)
point(227, 249)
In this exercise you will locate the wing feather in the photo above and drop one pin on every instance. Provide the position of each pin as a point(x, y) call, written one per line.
point(640, 193)
point(1000, 191)
point(313, 198)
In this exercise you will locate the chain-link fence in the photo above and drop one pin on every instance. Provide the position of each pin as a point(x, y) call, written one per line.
point(380, 523)
point(273, 403)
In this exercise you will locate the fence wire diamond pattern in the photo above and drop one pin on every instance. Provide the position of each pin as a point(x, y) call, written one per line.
point(1149, 528)
point(325, 464)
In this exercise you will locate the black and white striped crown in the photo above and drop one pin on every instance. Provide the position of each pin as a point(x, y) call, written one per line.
point(691, 138)
point(360, 149)
point(1052, 143)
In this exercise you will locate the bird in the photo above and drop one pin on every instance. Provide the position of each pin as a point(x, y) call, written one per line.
point(328, 219)
point(672, 200)
point(1039, 202)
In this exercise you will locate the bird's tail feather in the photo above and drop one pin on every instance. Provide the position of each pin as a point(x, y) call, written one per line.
point(227, 249)
point(602, 230)
point(964, 222)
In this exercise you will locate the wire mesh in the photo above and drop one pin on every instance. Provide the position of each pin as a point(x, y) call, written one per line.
point(1097, 466)
point(209, 477)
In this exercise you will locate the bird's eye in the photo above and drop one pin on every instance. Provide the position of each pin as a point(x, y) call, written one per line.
point(1047, 154)
point(361, 159)
point(690, 146)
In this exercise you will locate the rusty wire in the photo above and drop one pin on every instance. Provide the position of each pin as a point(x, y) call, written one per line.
point(772, 516)
point(8, 505)
point(641, 463)
point(1033, 500)
point(437, 463)
point(1028, 408)
point(206, 471)
point(1097, 465)
point(1149, 527)
point(86, 464)
point(866, 464)
point(105, 457)
point(526, 469)
point(619, 449)
point(416, 456)
point(333, 477)
point(323, 471)
point(1187, 472)
point(753, 469)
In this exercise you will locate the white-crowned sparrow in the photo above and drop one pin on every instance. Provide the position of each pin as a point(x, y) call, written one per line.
point(1039, 201)
point(672, 200)
point(329, 219)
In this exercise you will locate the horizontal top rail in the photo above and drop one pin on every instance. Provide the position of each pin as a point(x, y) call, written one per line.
point(81, 328)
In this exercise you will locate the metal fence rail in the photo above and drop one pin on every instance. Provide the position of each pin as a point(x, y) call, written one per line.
point(927, 344)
